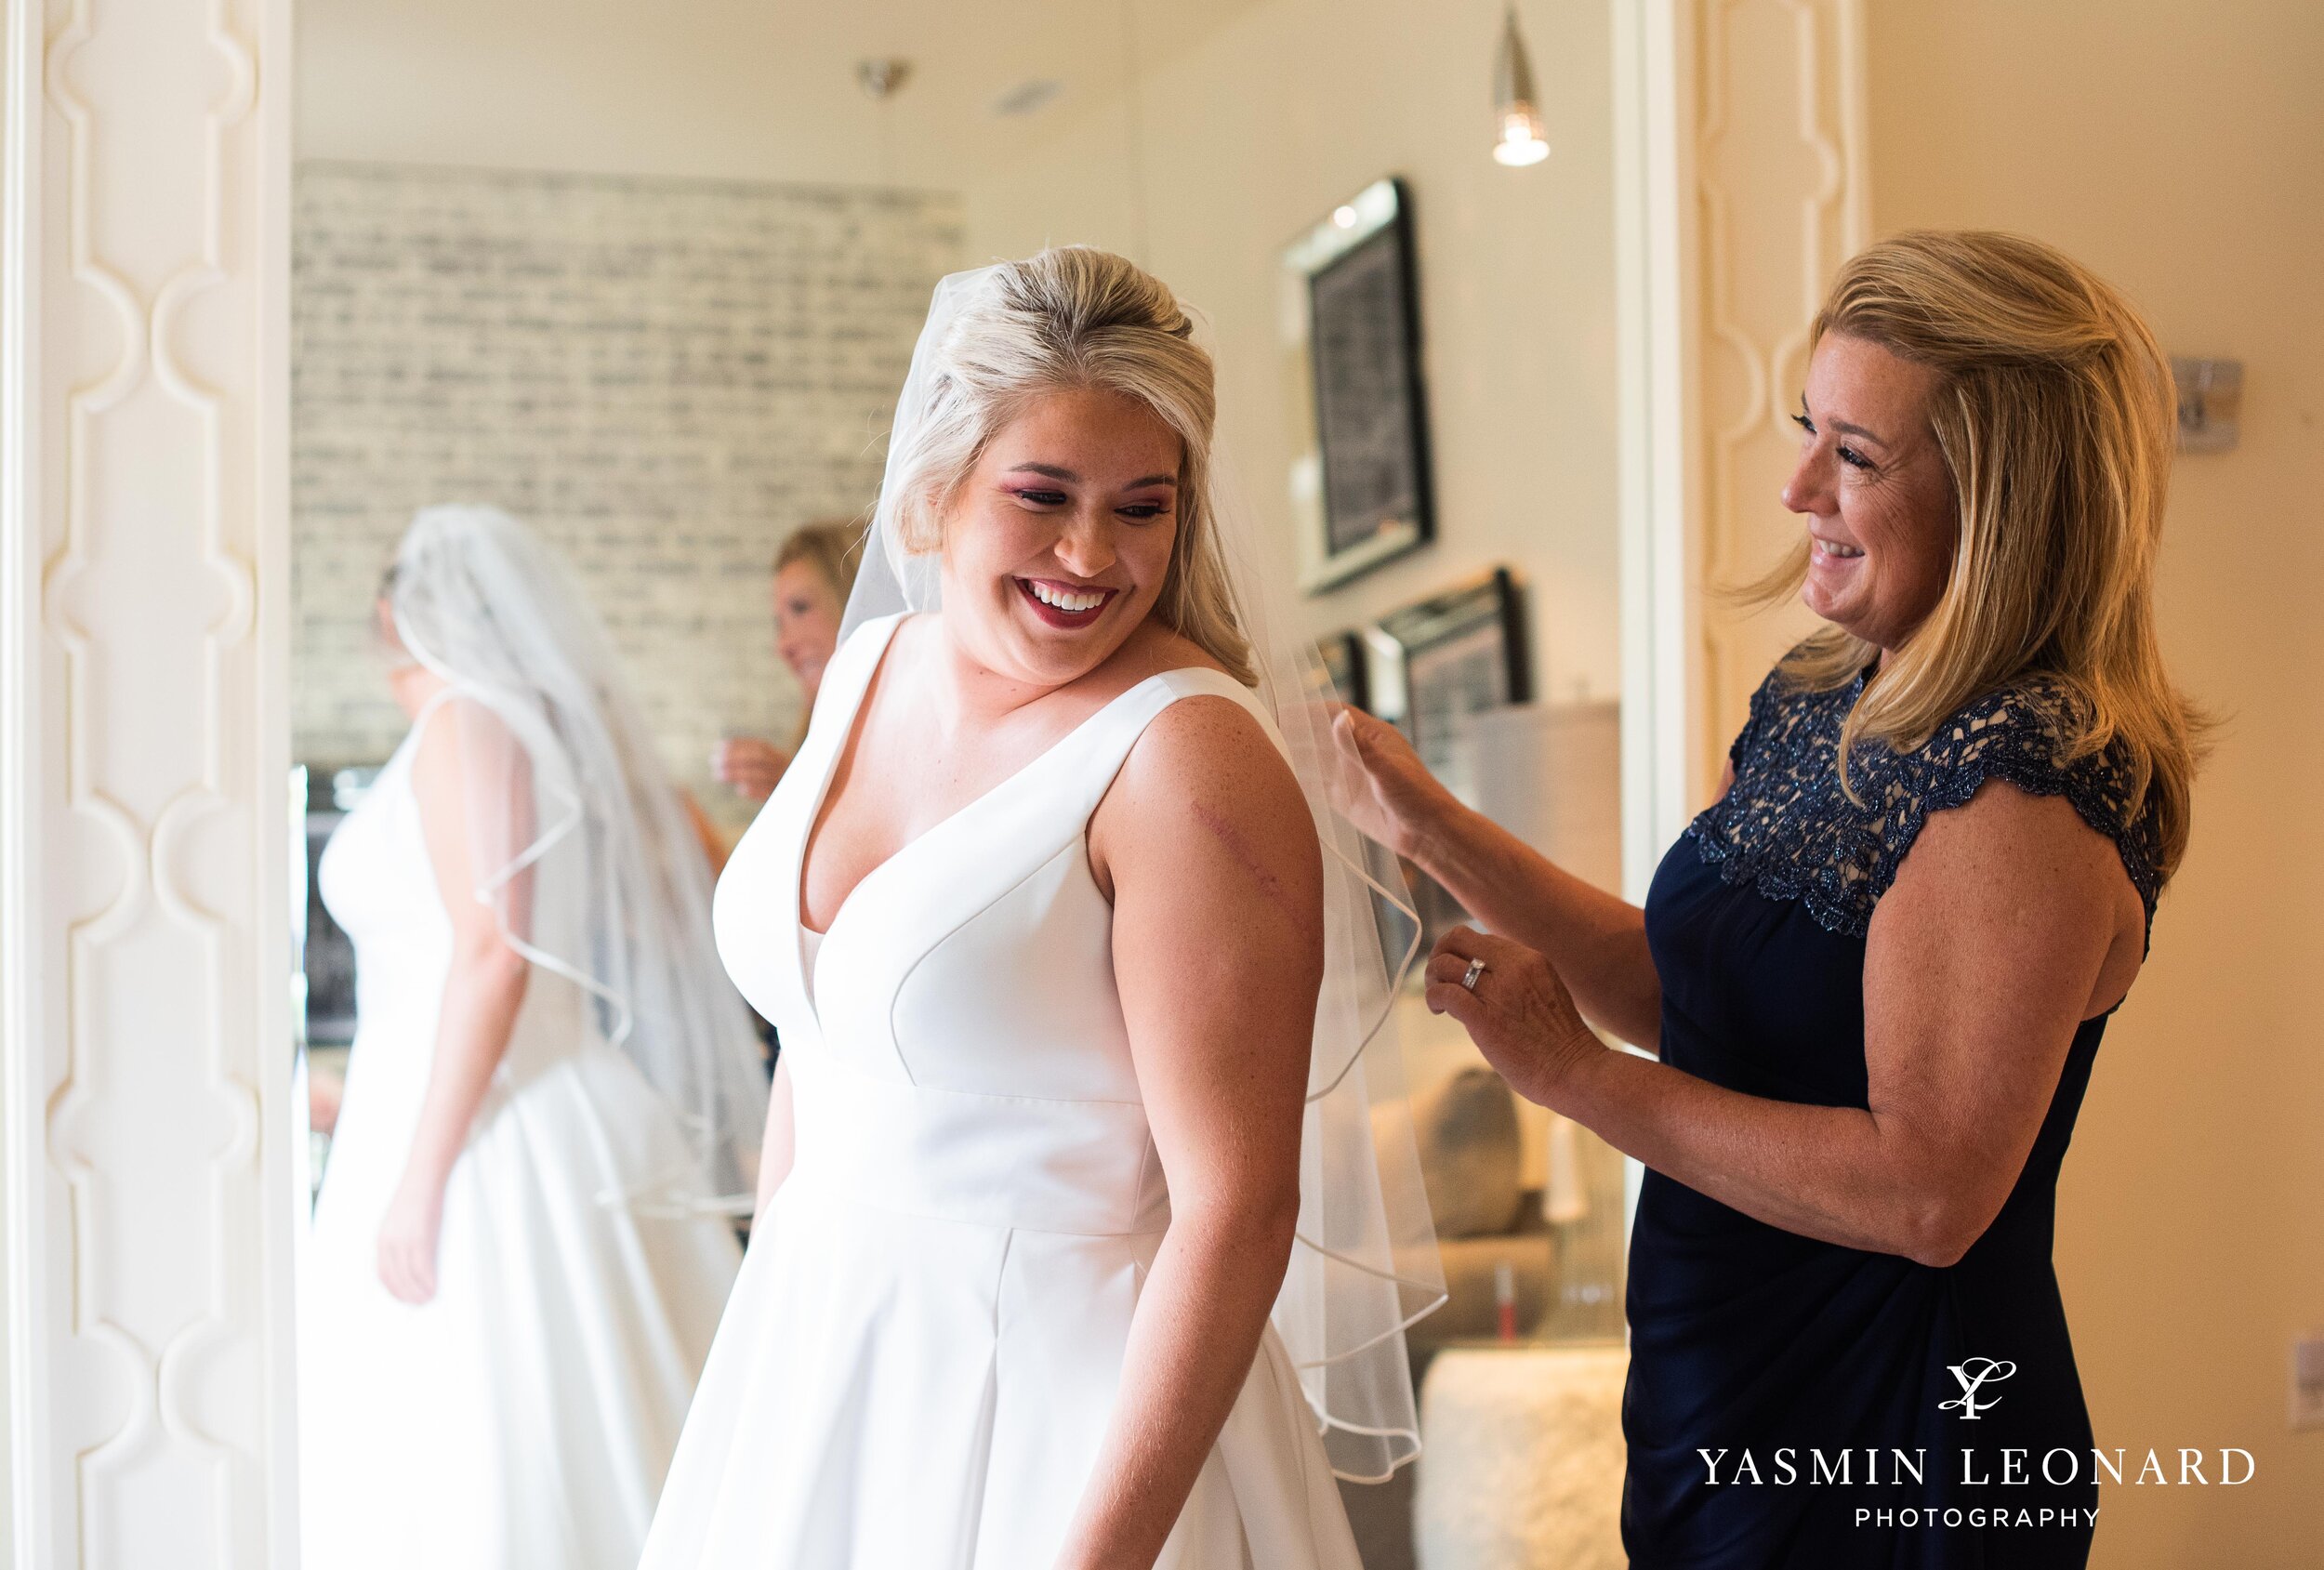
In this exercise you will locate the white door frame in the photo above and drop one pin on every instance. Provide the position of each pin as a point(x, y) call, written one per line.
point(1659, 351)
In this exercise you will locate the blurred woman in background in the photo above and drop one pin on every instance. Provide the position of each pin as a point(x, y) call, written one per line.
point(519, 1250)
point(813, 572)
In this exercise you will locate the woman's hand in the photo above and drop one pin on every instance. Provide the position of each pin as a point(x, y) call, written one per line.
point(751, 766)
point(407, 1239)
point(1382, 786)
point(1519, 1014)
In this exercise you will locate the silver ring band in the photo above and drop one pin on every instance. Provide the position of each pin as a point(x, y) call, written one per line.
point(1469, 977)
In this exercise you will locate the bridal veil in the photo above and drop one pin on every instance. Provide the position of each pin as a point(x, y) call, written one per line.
point(577, 840)
point(1365, 1264)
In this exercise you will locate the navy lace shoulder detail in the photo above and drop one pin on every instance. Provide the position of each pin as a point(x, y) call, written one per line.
point(1786, 828)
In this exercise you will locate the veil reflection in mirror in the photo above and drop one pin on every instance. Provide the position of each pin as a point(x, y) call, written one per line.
point(520, 1245)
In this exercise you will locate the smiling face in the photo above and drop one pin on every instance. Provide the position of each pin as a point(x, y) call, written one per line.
point(807, 614)
point(1057, 544)
point(1872, 486)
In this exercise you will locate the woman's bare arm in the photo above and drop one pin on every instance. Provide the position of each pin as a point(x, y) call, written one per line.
point(2010, 923)
point(1217, 884)
point(1596, 940)
point(483, 989)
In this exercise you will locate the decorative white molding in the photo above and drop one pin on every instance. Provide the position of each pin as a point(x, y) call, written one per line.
point(1780, 168)
point(143, 945)
point(23, 1014)
point(1740, 185)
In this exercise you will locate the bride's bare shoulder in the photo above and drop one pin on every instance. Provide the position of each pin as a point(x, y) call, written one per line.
point(1206, 798)
point(1206, 767)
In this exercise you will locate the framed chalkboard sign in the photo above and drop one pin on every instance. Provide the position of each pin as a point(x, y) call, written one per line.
point(1360, 476)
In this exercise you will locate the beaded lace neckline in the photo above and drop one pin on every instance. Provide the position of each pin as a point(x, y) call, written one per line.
point(1786, 828)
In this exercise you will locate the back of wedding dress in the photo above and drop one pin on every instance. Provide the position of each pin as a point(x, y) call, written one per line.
point(524, 1416)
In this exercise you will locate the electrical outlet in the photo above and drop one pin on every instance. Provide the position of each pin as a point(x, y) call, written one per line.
point(2307, 1381)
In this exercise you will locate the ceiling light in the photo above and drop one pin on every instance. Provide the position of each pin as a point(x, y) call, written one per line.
point(1516, 112)
point(880, 79)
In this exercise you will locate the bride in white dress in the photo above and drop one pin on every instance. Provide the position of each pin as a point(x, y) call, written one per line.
point(1075, 971)
point(517, 1259)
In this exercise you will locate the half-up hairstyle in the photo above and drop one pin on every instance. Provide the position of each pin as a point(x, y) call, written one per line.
point(2053, 407)
point(1073, 318)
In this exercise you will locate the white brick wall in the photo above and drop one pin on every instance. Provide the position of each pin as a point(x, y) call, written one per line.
point(662, 376)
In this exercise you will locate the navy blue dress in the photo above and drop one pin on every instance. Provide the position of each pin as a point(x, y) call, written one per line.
point(1820, 1378)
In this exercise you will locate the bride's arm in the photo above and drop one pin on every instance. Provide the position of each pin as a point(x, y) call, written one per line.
point(1217, 884)
point(463, 758)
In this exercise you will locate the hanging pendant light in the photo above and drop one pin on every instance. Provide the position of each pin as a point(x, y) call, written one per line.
point(1516, 112)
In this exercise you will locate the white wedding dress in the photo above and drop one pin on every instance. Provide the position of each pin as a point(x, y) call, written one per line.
point(920, 1361)
point(524, 1417)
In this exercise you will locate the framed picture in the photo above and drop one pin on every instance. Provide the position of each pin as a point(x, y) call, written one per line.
point(1360, 480)
point(1434, 663)
point(1452, 653)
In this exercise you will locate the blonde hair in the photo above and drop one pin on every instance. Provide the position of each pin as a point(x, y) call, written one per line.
point(1073, 318)
point(2053, 407)
point(832, 549)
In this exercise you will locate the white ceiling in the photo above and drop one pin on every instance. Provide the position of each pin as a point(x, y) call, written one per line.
point(756, 89)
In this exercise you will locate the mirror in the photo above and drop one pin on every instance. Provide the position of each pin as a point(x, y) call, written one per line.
point(648, 280)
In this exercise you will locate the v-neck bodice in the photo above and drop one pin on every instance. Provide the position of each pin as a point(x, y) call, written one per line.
point(987, 927)
point(937, 1302)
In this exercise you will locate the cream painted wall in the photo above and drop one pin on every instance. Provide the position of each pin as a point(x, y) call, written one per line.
point(2179, 149)
point(1241, 142)
point(710, 88)
point(1517, 266)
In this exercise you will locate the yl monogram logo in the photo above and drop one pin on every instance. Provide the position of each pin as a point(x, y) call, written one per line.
point(1973, 1376)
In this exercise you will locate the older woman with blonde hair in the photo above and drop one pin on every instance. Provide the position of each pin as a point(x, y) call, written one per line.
point(1879, 965)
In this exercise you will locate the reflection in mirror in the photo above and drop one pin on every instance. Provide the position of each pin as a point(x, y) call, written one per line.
point(644, 282)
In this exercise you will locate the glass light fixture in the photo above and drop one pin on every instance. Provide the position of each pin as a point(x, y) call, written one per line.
point(1516, 112)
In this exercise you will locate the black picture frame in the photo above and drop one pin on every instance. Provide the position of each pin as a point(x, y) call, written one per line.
point(1458, 649)
point(1461, 651)
point(1363, 482)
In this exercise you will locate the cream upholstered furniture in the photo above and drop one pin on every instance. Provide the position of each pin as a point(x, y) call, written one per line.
point(1523, 1464)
